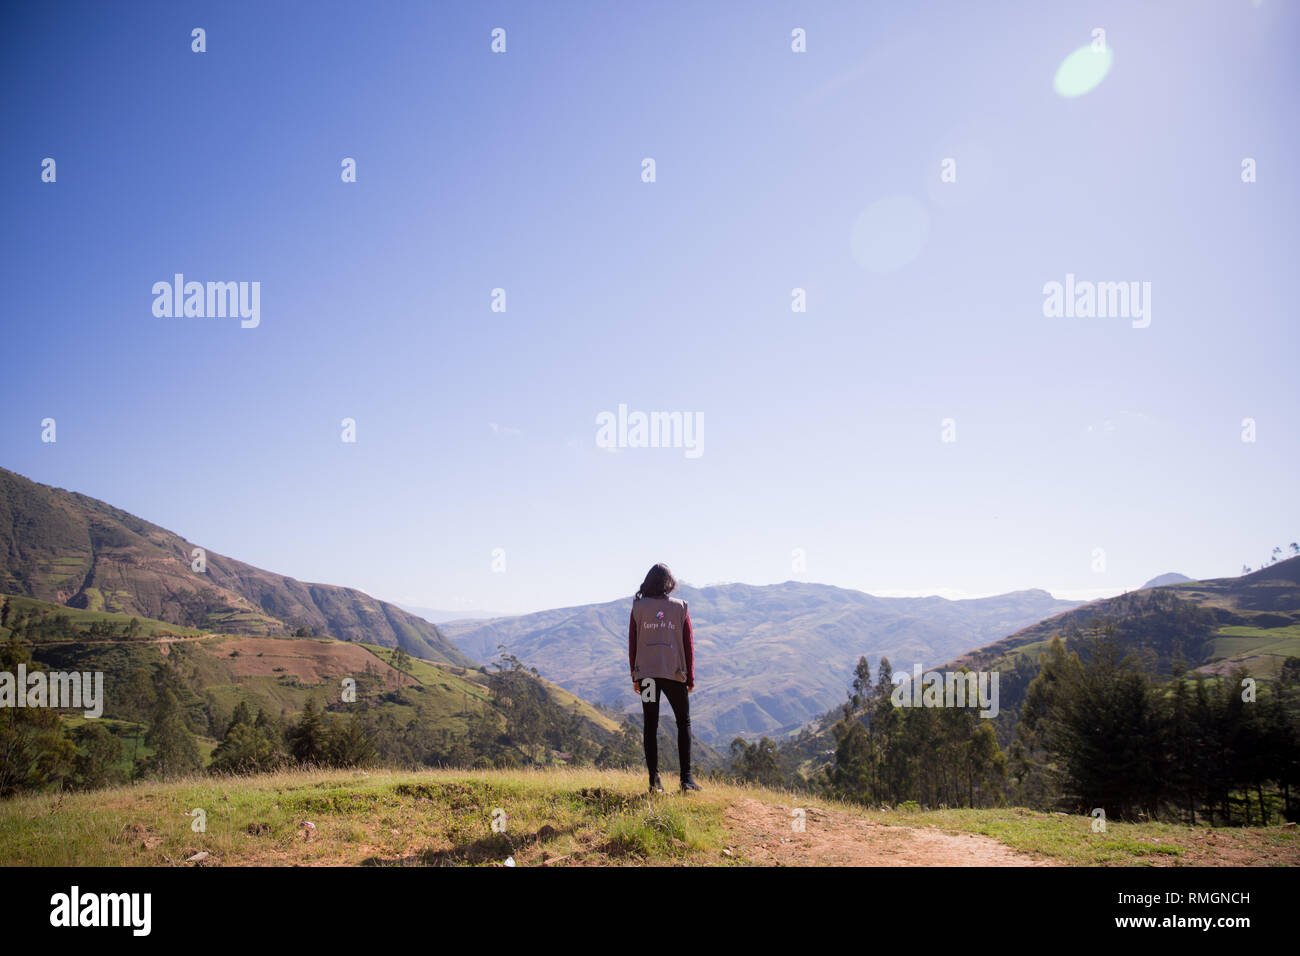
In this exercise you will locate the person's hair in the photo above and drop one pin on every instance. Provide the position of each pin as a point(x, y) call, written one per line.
point(659, 582)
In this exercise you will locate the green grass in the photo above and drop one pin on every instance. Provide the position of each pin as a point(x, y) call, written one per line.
point(457, 679)
point(1261, 650)
point(132, 735)
point(1065, 838)
point(1069, 839)
point(660, 828)
point(381, 818)
point(571, 816)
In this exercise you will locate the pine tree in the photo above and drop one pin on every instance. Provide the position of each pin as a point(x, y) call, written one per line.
point(98, 752)
point(860, 694)
point(34, 754)
point(401, 661)
point(249, 745)
point(308, 742)
point(349, 743)
point(175, 751)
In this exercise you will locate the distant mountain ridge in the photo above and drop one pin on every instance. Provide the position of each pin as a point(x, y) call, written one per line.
point(67, 548)
point(769, 658)
point(1251, 620)
point(1173, 577)
point(434, 616)
point(1211, 627)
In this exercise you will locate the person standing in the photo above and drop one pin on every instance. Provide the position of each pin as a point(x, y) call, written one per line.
point(661, 653)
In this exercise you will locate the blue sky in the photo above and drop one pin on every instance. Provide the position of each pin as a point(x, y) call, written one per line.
point(822, 430)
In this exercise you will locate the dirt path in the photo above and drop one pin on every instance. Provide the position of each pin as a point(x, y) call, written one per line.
point(160, 639)
point(761, 833)
point(163, 642)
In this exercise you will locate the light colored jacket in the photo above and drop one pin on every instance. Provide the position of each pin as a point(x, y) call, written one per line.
point(660, 646)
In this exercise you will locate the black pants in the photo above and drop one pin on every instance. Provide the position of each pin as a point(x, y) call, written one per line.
point(679, 699)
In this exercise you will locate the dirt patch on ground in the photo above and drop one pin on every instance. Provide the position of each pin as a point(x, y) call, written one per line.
point(1230, 846)
point(305, 659)
point(763, 834)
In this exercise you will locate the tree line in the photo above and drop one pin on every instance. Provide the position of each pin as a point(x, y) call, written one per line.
point(156, 719)
point(1098, 731)
point(1090, 727)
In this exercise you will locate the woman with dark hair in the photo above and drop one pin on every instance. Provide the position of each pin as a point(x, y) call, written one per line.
point(662, 656)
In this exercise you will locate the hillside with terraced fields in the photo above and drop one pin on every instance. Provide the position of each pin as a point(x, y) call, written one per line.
point(67, 548)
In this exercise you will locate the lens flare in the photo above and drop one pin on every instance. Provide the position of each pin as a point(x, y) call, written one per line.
point(890, 233)
point(1083, 70)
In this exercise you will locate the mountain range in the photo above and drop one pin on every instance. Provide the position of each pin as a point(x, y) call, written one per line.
point(435, 616)
point(1209, 626)
point(769, 658)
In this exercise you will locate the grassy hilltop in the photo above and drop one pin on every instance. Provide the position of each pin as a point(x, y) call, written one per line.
point(569, 818)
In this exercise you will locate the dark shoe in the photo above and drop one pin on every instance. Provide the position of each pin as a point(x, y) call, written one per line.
point(656, 786)
point(688, 783)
